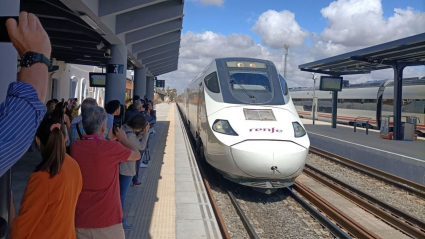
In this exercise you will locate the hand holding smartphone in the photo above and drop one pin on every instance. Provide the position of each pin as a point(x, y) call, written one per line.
point(117, 123)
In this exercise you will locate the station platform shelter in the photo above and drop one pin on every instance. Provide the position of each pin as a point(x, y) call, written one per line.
point(405, 159)
point(171, 202)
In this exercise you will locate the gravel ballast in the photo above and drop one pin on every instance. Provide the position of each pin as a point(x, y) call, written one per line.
point(277, 215)
point(233, 223)
point(389, 194)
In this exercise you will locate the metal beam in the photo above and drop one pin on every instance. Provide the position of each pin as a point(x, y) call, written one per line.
point(372, 60)
point(68, 27)
point(159, 50)
point(153, 31)
point(164, 72)
point(174, 64)
point(333, 72)
point(114, 7)
point(156, 42)
point(158, 63)
point(160, 57)
point(148, 16)
point(171, 68)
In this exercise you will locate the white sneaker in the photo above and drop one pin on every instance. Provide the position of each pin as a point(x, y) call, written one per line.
point(143, 165)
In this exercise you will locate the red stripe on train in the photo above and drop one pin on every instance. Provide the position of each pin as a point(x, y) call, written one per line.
point(349, 118)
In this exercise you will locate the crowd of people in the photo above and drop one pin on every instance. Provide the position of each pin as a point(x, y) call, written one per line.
point(89, 159)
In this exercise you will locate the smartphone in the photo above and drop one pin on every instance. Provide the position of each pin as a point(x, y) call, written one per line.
point(117, 123)
point(4, 37)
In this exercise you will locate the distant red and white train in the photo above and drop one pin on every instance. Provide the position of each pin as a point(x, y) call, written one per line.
point(369, 100)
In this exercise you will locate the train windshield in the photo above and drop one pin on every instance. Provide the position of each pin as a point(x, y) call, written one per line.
point(250, 81)
point(250, 86)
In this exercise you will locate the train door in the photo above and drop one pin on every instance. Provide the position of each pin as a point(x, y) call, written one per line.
point(314, 108)
point(199, 108)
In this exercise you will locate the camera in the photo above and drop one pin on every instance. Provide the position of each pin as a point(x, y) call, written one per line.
point(107, 53)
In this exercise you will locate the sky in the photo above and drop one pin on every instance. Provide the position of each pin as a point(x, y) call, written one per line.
point(313, 29)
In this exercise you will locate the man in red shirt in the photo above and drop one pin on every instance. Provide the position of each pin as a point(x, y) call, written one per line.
point(98, 213)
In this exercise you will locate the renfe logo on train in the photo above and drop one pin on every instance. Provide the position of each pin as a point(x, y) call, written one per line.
point(272, 130)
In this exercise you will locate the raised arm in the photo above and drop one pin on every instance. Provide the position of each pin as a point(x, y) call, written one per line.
point(27, 36)
point(122, 138)
point(23, 110)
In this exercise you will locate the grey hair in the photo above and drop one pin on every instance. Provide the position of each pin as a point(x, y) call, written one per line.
point(137, 104)
point(87, 103)
point(93, 119)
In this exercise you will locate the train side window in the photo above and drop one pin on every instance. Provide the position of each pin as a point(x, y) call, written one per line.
point(284, 85)
point(324, 105)
point(211, 81)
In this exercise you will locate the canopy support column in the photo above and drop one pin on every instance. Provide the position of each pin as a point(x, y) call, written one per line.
point(150, 87)
point(334, 107)
point(116, 74)
point(398, 99)
point(140, 82)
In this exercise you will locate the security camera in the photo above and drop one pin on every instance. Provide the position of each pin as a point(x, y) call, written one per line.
point(107, 53)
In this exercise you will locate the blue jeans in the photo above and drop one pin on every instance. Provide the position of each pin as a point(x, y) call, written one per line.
point(124, 185)
point(135, 178)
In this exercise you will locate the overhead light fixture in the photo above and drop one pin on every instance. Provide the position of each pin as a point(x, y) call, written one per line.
point(65, 47)
point(100, 45)
point(132, 61)
point(92, 24)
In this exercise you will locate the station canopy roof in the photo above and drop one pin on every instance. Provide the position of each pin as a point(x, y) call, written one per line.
point(81, 30)
point(408, 51)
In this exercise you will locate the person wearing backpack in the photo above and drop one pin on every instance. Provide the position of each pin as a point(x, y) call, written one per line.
point(76, 131)
point(136, 129)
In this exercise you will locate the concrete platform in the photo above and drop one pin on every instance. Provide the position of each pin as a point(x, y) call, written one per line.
point(402, 158)
point(171, 202)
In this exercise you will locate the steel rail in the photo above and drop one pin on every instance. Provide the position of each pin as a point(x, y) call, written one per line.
point(333, 228)
point(407, 185)
point(341, 219)
point(396, 218)
point(220, 221)
point(245, 221)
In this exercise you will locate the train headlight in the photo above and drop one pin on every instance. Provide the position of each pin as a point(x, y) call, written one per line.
point(299, 131)
point(223, 126)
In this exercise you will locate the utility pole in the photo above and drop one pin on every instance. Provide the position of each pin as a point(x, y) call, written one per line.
point(286, 58)
point(314, 98)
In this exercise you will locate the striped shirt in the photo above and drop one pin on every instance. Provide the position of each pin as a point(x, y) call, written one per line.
point(20, 116)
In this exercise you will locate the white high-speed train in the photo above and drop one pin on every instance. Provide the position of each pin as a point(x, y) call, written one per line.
point(245, 124)
point(368, 100)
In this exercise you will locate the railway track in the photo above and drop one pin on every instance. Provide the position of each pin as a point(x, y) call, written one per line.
point(339, 224)
point(407, 185)
point(407, 224)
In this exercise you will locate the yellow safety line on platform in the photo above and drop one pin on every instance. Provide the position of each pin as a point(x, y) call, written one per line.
point(164, 212)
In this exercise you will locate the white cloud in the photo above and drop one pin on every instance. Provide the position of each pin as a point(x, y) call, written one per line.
point(279, 28)
point(359, 23)
point(199, 49)
point(210, 2)
point(352, 24)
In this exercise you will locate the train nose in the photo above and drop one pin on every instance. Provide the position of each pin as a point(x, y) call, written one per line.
point(271, 159)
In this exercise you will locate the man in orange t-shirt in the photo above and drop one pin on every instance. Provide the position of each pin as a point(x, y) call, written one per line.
point(98, 213)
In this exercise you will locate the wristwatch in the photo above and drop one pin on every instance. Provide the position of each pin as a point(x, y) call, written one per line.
point(29, 58)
